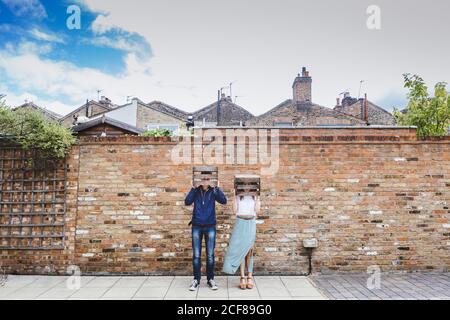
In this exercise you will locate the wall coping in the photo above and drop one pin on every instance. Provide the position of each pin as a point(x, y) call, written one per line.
point(302, 135)
point(317, 127)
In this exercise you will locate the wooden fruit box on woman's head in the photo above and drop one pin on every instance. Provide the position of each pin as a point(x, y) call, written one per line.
point(247, 184)
point(205, 176)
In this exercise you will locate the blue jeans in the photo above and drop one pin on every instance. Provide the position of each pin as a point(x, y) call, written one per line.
point(210, 242)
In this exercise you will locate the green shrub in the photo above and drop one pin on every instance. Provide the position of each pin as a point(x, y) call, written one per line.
point(157, 133)
point(431, 114)
point(31, 130)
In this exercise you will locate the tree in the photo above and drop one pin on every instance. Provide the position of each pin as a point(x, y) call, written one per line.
point(29, 129)
point(431, 115)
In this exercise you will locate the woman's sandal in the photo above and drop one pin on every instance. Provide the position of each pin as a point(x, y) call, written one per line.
point(249, 282)
point(243, 284)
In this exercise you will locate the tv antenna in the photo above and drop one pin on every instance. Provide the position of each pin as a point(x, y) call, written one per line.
point(235, 98)
point(221, 89)
point(98, 94)
point(231, 92)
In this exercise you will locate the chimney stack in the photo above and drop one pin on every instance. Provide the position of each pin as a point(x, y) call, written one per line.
point(348, 100)
point(105, 101)
point(366, 109)
point(302, 87)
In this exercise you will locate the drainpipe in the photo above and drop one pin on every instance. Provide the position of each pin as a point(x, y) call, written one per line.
point(309, 245)
point(366, 109)
point(218, 106)
point(87, 108)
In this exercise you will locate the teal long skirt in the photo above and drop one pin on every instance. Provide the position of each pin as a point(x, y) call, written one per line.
point(242, 240)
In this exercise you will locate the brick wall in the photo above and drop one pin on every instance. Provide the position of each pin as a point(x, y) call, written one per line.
point(230, 114)
point(303, 114)
point(94, 110)
point(147, 115)
point(370, 197)
point(377, 115)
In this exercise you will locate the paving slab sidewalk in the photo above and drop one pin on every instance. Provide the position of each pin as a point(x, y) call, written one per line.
point(392, 286)
point(19, 287)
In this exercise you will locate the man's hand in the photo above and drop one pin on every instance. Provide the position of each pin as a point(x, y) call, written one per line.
point(217, 186)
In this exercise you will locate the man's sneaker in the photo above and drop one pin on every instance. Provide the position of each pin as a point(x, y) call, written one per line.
point(212, 284)
point(194, 285)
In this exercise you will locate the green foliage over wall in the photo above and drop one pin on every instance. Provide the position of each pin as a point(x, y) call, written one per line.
point(157, 133)
point(431, 115)
point(31, 130)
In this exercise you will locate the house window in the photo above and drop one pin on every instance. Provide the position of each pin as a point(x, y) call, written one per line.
point(172, 127)
point(283, 124)
point(205, 124)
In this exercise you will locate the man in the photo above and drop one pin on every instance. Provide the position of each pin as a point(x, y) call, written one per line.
point(203, 222)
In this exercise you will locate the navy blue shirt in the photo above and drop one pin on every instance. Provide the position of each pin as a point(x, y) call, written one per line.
point(204, 204)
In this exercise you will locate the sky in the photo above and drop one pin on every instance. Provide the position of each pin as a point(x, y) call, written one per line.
point(182, 52)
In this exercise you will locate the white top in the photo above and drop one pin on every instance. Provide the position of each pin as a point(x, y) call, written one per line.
point(246, 206)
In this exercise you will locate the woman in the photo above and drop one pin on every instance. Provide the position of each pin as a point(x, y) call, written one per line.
point(240, 248)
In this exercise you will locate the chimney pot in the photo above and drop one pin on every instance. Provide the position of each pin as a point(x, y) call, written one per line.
point(305, 73)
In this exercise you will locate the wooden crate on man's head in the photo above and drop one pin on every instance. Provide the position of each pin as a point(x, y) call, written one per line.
point(205, 175)
point(247, 184)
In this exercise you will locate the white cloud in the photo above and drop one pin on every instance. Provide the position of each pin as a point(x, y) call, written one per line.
point(40, 35)
point(102, 24)
point(16, 100)
point(19, 99)
point(121, 43)
point(26, 47)
point(28, 72)
point(203, 45)
point(263, 44)
point(106, 20)
point(69, 85)
point(30, 8)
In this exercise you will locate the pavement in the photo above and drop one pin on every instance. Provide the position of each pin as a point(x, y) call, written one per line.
point(405, 286)
point(29, 287)
point(361, 286)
